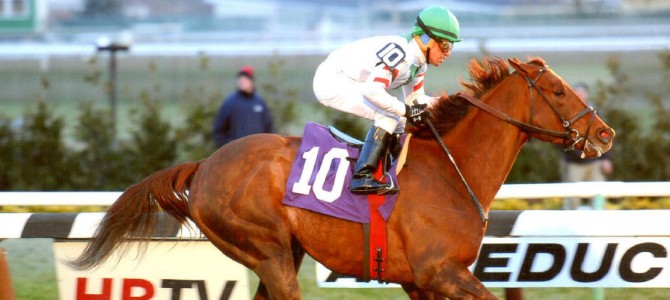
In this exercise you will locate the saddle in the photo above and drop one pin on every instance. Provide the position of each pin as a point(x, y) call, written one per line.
point(397, 151)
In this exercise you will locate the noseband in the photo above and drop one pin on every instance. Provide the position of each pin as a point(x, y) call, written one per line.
point(571, 137)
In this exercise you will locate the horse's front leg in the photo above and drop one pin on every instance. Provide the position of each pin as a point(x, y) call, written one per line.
point(455, 281)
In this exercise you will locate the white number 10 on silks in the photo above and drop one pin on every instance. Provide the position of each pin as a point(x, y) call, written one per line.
point(303, 187)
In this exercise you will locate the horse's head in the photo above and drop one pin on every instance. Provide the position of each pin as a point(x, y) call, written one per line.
point(558, 115)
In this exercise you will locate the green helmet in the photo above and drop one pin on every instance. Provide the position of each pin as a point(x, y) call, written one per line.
point(438, 22)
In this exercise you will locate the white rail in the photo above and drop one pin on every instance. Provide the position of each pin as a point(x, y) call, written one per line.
point(508, 191)
point(58, 198)
point(609, 189)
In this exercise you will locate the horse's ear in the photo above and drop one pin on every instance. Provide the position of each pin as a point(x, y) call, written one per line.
point(519, 66)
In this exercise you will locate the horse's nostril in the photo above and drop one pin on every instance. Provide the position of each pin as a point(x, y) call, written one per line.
point(605, 134)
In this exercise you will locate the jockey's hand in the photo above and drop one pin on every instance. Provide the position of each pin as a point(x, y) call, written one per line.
point(416, 114)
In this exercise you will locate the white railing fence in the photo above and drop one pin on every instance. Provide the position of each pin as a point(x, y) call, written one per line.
point(609, 189)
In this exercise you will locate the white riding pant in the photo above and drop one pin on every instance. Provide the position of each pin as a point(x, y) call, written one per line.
point(336, 90)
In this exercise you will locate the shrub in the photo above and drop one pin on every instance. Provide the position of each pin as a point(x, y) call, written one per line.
point(153, 145)
point(200, 104)
point(537, 162)
point(638, 154)
point(41, 160)
point(281, 100)
point(7, 154)
point(99, 161)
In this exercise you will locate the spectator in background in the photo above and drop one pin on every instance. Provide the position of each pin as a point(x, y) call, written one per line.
point(243, 112)
point(575, 169)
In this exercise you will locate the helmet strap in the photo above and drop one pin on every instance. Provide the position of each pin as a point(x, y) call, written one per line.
point(424, 27)
point(428, 55)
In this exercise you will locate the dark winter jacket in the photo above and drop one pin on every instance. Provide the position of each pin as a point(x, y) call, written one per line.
point(240, 115)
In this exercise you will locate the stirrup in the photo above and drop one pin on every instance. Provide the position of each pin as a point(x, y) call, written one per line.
point(392, 187)
point(371, 185)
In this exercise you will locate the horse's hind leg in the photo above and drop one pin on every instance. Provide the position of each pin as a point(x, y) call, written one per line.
point(261, 292)
point(455, 281)
point(278, 279)
point(298, 255)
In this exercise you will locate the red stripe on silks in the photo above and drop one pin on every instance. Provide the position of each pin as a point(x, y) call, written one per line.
point(421, 75)
point(418, 86)
point(382, 80)
point(394, 72)
point(377, 230)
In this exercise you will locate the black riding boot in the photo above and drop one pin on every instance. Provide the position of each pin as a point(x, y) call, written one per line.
point(375, 147)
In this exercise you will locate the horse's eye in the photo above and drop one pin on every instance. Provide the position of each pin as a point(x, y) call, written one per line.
point(559, 93)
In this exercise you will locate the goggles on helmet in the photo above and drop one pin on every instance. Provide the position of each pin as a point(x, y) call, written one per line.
point(445, 45)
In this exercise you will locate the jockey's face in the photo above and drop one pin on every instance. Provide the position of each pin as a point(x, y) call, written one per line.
point(438, 55)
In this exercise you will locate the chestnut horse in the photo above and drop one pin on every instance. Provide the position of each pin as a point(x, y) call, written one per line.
point(434, 233)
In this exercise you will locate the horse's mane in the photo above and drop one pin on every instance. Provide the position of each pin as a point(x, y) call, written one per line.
point(450, 109)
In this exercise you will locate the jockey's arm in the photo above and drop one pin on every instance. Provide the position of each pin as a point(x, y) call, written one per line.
point(375, 91)
point(414, 91)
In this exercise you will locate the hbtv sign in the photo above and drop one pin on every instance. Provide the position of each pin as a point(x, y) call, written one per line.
point(168, 270)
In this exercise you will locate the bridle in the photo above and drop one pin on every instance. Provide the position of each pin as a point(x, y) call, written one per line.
point(571, 137)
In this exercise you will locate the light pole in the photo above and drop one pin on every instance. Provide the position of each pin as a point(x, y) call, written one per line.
point(105, 45)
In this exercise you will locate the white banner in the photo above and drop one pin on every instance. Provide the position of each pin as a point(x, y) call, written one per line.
point(168, 270)
point(558, 262)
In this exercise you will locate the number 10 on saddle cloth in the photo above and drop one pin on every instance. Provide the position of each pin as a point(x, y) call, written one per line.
point(320, 177)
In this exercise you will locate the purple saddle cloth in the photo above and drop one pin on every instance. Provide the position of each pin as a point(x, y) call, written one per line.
point(321, 174)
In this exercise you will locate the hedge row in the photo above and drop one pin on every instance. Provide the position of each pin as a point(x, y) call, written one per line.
point(37, 156)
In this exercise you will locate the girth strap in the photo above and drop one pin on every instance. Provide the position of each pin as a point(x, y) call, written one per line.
point(374, 234)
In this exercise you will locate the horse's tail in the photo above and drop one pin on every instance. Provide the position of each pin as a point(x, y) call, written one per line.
point(135, 213)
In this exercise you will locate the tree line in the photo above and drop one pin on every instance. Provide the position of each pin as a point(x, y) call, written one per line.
point(36, 155)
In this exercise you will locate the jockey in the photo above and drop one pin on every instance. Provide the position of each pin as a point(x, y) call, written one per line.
point(354, 79)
